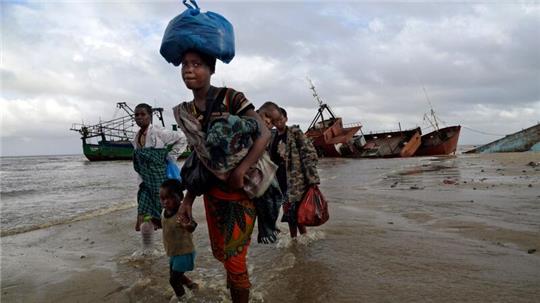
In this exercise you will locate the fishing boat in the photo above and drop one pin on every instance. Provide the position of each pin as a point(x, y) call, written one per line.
point(393, 144)
point(113, 136)
point(523, 140)
point(328, 133)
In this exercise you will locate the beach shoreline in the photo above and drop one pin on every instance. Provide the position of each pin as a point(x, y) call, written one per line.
point(447, 229)
point(69, 262)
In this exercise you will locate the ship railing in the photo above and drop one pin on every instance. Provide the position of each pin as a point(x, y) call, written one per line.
point(372, 132)
point(353, 124)
point(103, 128)
point(121, 129)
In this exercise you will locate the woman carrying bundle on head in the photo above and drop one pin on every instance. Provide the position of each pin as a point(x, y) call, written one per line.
point(228, 142)
point(230, 213)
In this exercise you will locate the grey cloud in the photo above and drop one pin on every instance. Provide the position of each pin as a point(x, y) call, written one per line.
point(369, 61)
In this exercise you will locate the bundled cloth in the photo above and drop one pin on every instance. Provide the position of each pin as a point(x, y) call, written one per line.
point(221, 149)
point(224, 145)
point(209, 33)
point(228, 140)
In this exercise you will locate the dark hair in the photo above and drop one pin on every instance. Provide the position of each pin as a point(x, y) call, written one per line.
point(146, 107)
point(269, 105)
point(175, 187)
point(209, 60)
point(283, 112)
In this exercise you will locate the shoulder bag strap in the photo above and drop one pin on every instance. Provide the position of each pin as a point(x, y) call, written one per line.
point(211, 104)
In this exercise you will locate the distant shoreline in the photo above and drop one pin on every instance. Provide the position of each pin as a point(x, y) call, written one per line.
point(81, 154)
point(35, 156)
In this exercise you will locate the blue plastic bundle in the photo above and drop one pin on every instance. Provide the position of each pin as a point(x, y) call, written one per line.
point(172, 171)
point(209, 33)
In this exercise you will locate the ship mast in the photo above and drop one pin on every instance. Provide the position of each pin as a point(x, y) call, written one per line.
point(322, 106)
point(315, 94)
point(158, 111)
point(120, 128)
point(433, 120)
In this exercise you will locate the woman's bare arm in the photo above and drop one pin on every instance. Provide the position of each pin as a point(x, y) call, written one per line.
point(236, 179)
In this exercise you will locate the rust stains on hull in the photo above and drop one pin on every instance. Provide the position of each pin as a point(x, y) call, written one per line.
point(440, 142)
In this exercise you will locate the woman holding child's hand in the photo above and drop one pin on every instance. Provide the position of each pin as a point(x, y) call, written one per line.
point(230, 214)
point(185, 215)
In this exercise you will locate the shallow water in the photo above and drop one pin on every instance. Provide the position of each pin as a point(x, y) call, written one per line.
point(397, 232)
point(440, 229)
point(41, 191)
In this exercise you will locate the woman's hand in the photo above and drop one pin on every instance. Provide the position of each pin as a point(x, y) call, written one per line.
point(236, 179)
point(185, 215)
point(140, 219)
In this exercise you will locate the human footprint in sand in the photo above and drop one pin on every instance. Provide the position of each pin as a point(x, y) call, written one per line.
point(296, 159)
point(177, 238)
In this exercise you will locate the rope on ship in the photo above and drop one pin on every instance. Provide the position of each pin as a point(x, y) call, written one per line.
point(482, 132)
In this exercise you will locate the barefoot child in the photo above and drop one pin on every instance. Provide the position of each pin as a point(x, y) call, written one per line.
point(177, 238)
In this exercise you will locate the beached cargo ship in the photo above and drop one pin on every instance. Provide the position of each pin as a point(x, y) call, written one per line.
point(523, 140)
point(113, 136)
point(439, 142)
point(394, 144)
point(332, 139)
point(329, 133)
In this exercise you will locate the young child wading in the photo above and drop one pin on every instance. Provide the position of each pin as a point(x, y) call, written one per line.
point(177, 239)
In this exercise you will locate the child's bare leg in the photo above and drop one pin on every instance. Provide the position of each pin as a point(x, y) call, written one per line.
point(157, 223)
point(189, 283)
point(293, 229)
point(302, 229)
point(140, 219)
point(175, 280)
point(240, 295)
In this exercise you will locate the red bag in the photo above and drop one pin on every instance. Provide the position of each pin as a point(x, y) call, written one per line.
point(313, 209)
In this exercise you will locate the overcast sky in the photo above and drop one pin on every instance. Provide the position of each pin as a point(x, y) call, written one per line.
point(65, 62)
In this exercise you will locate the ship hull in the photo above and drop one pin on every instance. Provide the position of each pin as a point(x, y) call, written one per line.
point(326, 139)
point(398, 144)
point(108, 151)
point(327, 148)
point(441, 142)
point(521, 141)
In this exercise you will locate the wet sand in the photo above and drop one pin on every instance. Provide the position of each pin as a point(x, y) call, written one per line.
point(448, 229)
